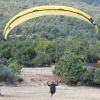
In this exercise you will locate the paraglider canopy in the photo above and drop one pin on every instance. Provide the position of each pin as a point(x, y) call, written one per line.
point(47, 10)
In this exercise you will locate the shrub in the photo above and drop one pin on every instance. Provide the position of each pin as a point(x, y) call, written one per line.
point(16, 67)
point(97, 76)
point(7, 75)
point(20, 79)
point(87, 77)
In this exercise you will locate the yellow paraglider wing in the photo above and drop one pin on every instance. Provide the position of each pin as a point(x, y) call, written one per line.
point(47, 10)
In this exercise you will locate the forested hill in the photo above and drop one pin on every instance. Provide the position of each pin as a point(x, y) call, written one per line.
point(47, 36)
point(9, 8)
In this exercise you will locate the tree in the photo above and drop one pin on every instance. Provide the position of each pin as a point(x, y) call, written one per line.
point(25, 56)
point(30, 51)
point(6, 53)
point(42, 45)
point(42, 59)
point(71, 66)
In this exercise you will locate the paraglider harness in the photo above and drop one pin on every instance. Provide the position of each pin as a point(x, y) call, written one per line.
point(52, 87)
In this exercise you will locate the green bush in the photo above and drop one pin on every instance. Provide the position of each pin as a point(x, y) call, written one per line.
point(87, 77)
point(70, 66)
point(16, 67)
point(97, 76)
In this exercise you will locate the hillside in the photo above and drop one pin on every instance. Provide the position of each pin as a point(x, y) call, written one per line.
point(10, 8)
point(51, 31)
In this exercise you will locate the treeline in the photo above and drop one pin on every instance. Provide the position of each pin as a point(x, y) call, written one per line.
point(76, 64)
point(31, 52)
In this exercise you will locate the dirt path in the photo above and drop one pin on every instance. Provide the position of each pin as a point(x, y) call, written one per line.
point(42, 93)
point(34, 87)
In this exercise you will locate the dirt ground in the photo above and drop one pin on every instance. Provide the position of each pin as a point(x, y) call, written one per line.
point(34, 87)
